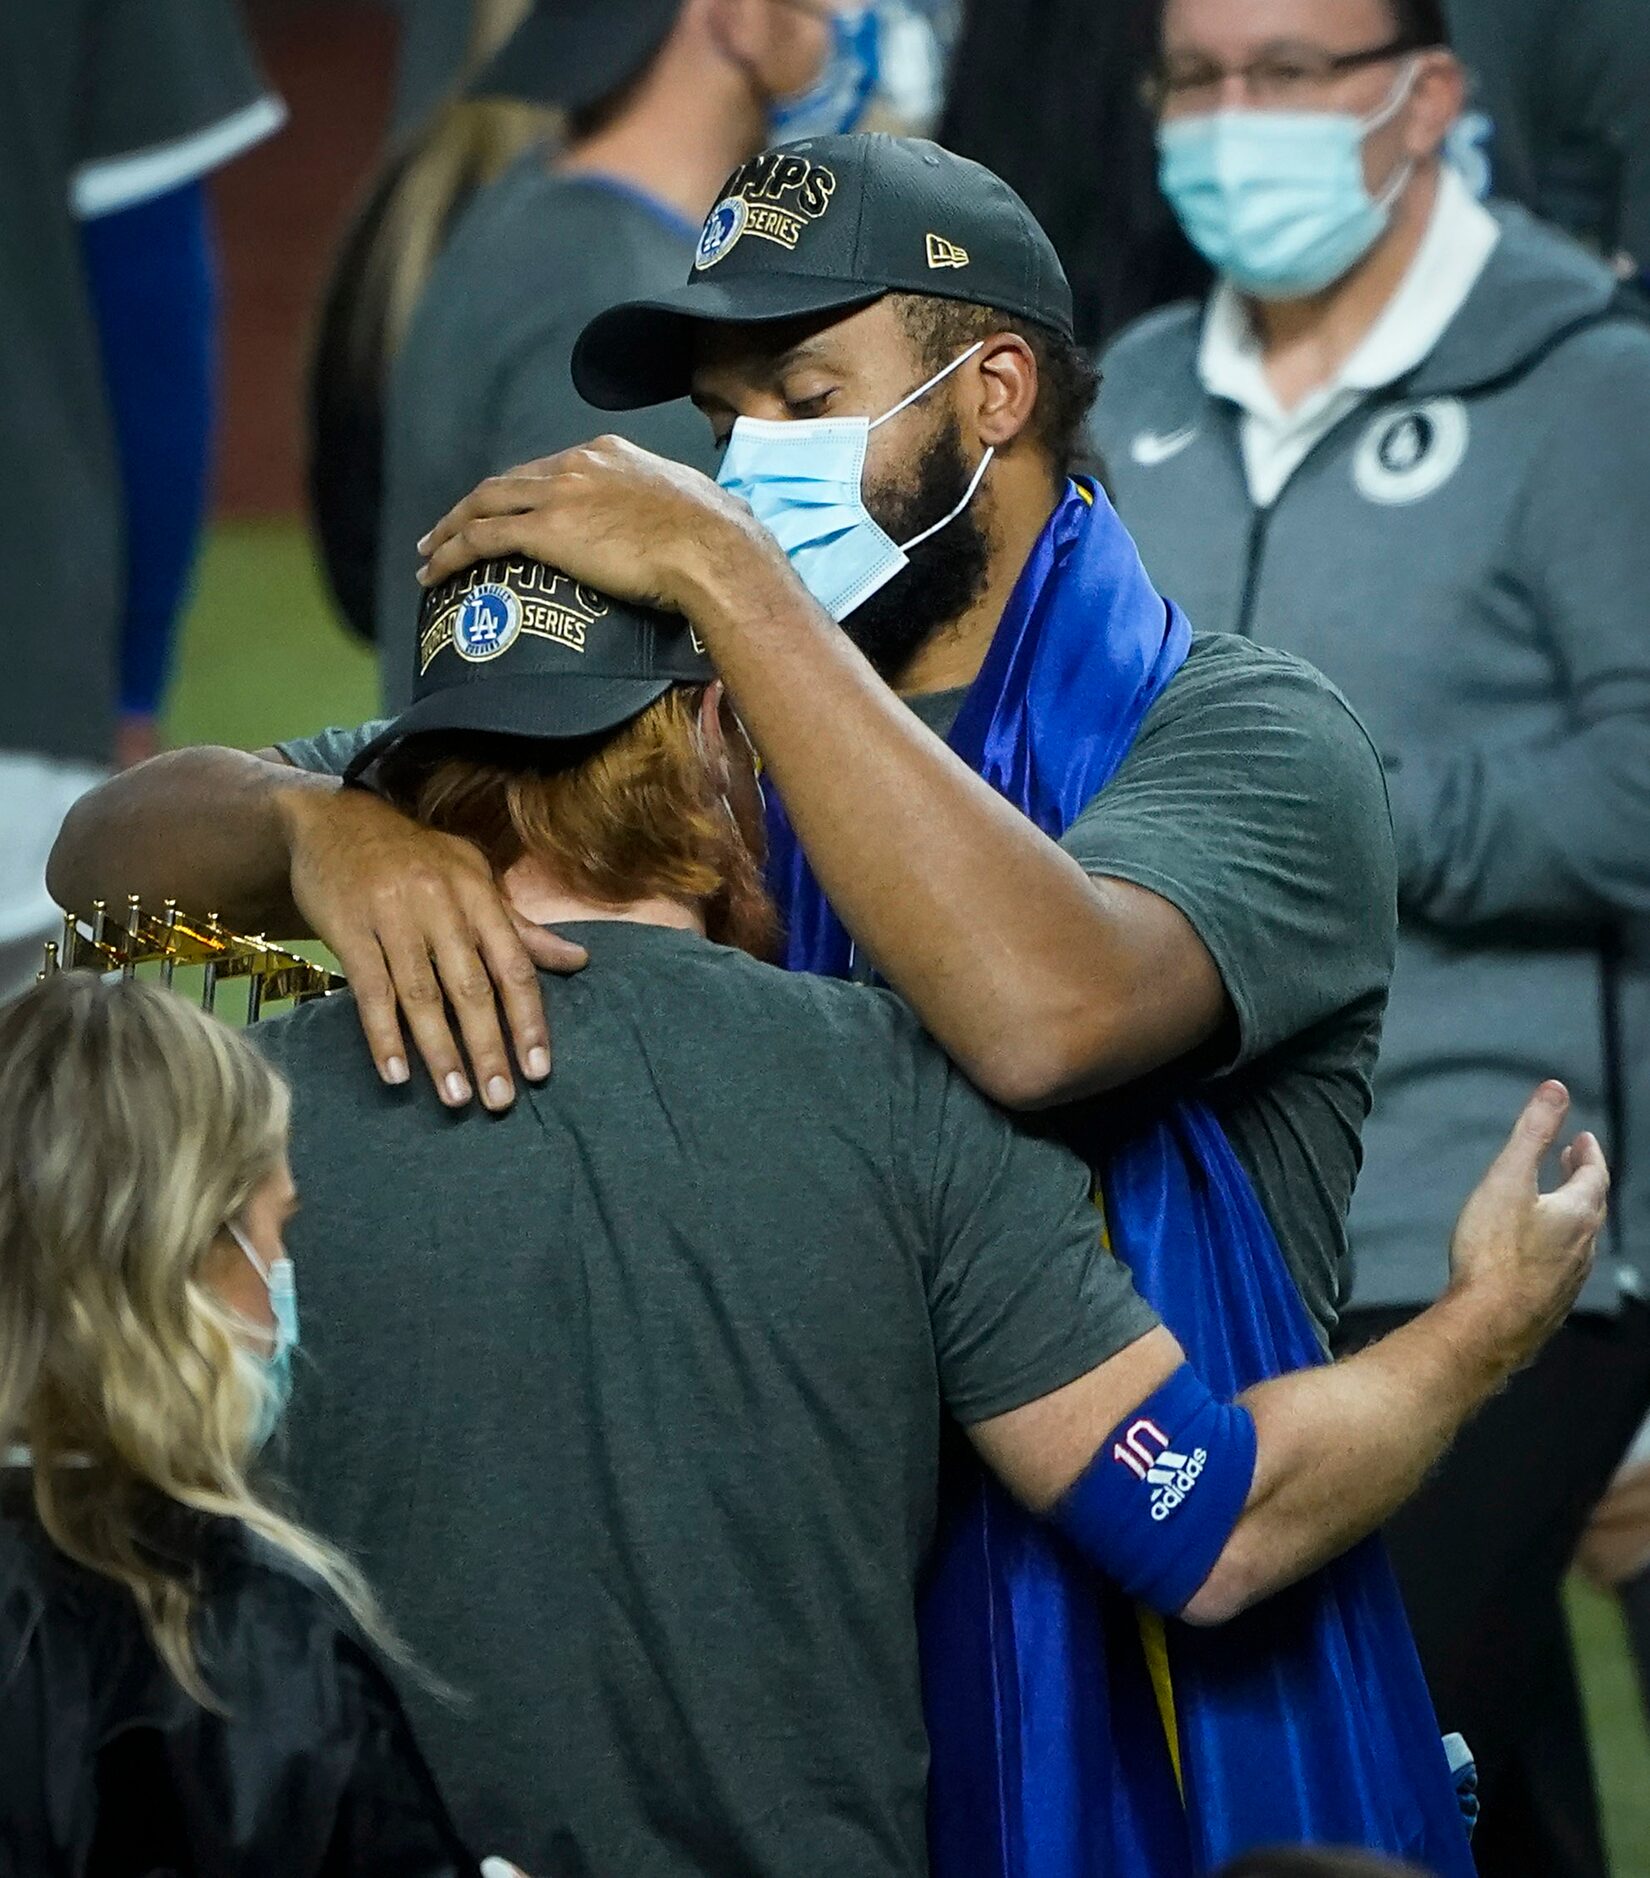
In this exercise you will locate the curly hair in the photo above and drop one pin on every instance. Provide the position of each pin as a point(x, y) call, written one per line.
point(1068, 381)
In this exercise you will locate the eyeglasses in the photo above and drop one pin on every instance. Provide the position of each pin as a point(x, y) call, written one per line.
point(1278, 80)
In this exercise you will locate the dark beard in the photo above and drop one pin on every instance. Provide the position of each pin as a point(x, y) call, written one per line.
point(947, 574)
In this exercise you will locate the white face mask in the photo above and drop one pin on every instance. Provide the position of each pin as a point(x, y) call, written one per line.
point(804, 483)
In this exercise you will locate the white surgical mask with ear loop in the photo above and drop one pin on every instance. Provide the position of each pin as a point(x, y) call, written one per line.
point(270, 1373)
point(804, 481)
point(1276, 200)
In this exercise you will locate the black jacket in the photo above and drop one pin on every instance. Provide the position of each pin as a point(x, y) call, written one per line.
point(109, 1770)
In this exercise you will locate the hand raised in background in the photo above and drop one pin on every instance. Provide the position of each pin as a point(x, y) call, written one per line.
point(1524, 1255)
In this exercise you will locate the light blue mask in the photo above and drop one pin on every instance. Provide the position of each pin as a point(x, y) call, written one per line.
point(271, 1370)
point(804, 483)
point(834, 103)
point(1276, 201)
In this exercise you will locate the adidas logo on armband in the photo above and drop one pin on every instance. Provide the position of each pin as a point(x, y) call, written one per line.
point(1145, 1451)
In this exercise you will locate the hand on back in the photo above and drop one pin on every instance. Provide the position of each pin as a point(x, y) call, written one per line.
point(428, 945)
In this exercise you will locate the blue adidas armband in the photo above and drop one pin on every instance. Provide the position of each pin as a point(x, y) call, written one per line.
point(1157, 1504)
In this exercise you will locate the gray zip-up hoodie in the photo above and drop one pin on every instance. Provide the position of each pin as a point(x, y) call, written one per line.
point(1467, 556)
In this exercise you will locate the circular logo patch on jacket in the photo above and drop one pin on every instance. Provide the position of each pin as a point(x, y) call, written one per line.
point(1409, 454)
point(488, 623)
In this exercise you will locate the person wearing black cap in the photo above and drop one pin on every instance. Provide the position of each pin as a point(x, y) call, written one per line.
point(1245, 934)
point(1196, 899)
point(660, 97)
point(631, 1396)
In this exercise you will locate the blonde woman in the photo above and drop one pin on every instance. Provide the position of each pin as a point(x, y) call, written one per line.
point(188, 1682)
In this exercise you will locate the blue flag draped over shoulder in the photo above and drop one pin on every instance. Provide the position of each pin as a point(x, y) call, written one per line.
point(1072, 1735)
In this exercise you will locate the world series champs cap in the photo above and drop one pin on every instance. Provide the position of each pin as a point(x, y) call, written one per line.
point(828, 225)
point(514, 648)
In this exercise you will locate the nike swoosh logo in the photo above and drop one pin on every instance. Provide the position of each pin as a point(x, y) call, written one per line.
point(1150, 448)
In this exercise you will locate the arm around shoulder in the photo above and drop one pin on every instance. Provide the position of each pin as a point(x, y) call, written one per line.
point(1202, 1508)
point(208, 827)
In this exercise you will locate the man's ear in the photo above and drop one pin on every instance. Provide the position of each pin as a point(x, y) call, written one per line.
point(730, 25)
point(1006, 374)
point(1440, 99)
point(712, 737)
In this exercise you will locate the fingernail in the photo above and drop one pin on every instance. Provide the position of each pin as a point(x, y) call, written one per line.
point(395, 1069)
point(538, 1062)
point(458, 1090)
point(1553, 1094)
point(424, 574)
point(499, 1093)
point(424, 542)
point(497, 1868)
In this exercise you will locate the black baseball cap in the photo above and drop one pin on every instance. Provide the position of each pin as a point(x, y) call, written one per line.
point(575, 53)
point(829, 225)
point(514, 648)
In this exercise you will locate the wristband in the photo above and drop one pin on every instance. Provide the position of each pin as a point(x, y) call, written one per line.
point(1158, 1502)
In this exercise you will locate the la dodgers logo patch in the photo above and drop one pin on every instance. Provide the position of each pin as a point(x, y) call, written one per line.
point(488, 623)
point(499, 603)
point(723, 227)
point(775, 197)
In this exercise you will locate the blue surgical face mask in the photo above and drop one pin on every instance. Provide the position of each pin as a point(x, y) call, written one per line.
point(804, 482)
point(1276, 200)
point(911, 84)
point(271, 1371)
point(834, 103)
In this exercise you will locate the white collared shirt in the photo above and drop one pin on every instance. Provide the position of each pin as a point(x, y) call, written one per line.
point(1460, 238)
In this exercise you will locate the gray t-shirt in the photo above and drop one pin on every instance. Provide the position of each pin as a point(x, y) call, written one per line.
point(83, 85)
point(483, 381)
point(629, 1400)
point(1254, 802)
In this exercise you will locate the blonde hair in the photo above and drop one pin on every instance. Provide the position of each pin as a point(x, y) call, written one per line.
point(635, 815)
point(132, 1127)
point(465, 144)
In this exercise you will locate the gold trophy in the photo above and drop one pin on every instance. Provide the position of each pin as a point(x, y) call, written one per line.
point(172, 939)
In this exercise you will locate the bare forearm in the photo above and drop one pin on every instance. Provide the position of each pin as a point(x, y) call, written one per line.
point(206, 827)
point(1031, 975)
point(1340, 1449)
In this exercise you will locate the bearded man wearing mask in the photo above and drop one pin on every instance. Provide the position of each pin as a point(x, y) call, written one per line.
point(661, 98)
point(1407, 439)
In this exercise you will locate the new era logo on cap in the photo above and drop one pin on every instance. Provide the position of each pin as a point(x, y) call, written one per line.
point(943, 253)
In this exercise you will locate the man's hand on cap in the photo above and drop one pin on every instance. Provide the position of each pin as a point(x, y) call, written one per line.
point(614, 516)
point(423, 935)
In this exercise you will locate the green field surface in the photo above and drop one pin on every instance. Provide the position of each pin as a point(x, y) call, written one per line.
point(262, 658)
